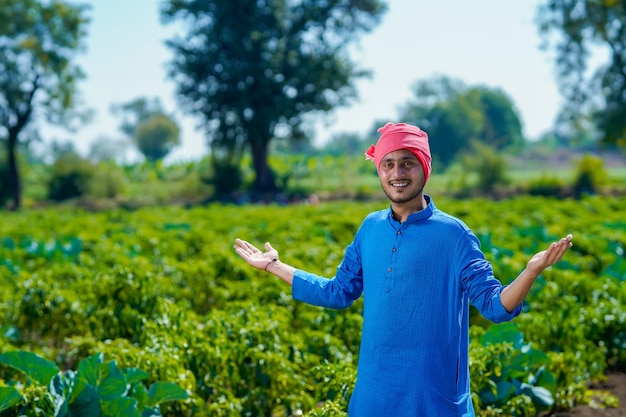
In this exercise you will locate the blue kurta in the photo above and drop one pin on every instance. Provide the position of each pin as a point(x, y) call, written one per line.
point(417, 278)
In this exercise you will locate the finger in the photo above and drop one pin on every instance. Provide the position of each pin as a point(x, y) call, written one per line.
point(248, 246)
point(268, 247)
point(244, 255)
point(560, 248)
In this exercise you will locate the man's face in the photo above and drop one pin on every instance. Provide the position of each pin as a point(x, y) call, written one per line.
point(401, 176)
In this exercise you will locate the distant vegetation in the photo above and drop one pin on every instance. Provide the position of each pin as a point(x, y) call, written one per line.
point(327, 173)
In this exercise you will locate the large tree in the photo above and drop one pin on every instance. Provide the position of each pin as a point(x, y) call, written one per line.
point(454, 115)
point(153, 132)
point(584, 27)
point(38, 41)
point(253, 68)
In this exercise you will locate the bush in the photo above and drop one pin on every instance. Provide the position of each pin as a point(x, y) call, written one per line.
point(545, 186)
point(108, 181)
point(487, 164)
point(590, 174)
point(70, 177)
point(225, 177)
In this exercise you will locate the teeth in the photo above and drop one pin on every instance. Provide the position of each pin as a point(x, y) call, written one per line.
point(400, 184)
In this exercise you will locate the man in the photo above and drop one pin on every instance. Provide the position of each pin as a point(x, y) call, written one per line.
point(418, 268)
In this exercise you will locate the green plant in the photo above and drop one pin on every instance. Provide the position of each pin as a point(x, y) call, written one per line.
point(590, 174)
point(545, 185)
point(504, 367)
point(97, 389)
point(108, 181)
point(488, 166)
point(70, 176)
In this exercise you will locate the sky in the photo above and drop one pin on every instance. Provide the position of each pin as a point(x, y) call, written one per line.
point(493, 43)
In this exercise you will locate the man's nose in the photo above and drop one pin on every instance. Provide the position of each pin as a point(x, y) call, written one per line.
point(400, 171)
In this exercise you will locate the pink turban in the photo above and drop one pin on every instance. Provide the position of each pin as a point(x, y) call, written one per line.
point(398, 136)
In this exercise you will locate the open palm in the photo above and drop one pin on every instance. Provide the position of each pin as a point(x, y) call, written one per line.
point(550, 256)
point(254, 256)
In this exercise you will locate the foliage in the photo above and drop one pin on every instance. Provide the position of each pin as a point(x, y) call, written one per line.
point(590, 174)
point(252, 69)
point(107, 182)
point(98, 388)
point(584, 26)
point(454, 115)
point(153, 132)
point(69, 177)
point(156, 137)
point(487, 164)
point(226, 177)
point(504, 368)
point(160, 289)
point(38, 41)
point(546, 185)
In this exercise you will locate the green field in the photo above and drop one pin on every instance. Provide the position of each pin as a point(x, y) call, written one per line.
point(160, 289)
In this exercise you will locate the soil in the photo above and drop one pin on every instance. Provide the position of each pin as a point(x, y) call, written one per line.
point(616, 384)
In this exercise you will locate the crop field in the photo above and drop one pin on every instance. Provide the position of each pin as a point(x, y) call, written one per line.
point(160, 291)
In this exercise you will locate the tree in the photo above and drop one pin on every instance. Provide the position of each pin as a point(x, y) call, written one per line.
point(38, 41)
point(584, 27)
point(346, 143)
point(454, 114)
point(153, 131)
point(252, 69)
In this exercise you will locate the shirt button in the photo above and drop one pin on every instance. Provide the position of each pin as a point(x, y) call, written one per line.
point(399, 232)
point(393, 250)
point(389, 270)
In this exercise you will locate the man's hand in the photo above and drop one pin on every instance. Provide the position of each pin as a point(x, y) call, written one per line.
point(255, 257)
point(550, 256)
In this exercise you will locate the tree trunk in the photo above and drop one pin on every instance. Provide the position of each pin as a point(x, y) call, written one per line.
point(264, 182)
point(15, 188)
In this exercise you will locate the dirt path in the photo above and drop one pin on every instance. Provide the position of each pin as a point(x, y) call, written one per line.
point(616, 384)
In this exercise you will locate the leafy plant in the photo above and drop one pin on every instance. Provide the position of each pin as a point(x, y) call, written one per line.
point(512, 368)
point(97, 389)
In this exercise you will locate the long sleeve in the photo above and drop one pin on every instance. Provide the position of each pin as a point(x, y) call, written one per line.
point(479, 282)
point(339, 292)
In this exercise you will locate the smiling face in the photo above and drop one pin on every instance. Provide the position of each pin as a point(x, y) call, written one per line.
point(402, 178)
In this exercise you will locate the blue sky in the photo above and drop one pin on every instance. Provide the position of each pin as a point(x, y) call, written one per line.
point(488, 42)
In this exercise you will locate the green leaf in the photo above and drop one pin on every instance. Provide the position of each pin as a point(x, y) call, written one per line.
point(126, 407)
point(161, 391)
point(113, 383)
point(526, 362)
point(9, 396)
point(134, 375)
point(106, 378)
point(139, 392)
point(503, 391)
point(32, 365)
point(89, 369)
point(544, 378)
point(503, 333)
point(61, 388)
point(86, 404)
point(151, 412)
point(540, 396)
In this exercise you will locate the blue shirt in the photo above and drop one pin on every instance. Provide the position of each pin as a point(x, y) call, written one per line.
point(417, 278)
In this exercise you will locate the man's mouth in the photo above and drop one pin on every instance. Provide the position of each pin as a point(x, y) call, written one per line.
point(400, 184)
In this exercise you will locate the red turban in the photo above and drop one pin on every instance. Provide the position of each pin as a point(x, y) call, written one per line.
point(398, 136)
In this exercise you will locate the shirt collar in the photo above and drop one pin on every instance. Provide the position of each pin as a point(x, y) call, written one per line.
point(423, 214)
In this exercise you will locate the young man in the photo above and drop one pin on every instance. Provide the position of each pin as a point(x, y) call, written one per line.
point(418, 268)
